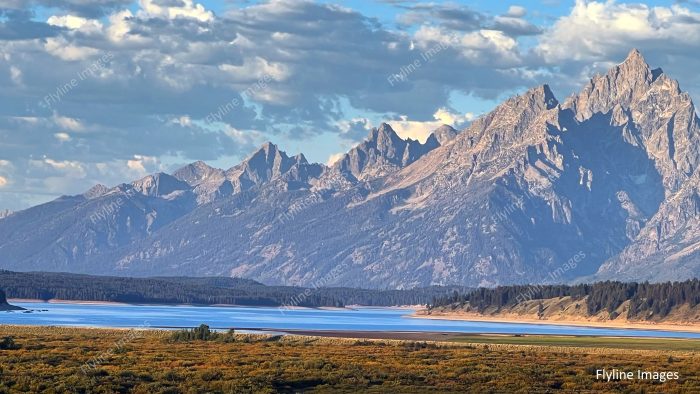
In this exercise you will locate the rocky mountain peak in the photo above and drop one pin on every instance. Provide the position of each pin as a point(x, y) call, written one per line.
point(623, 85)
point(542, 95)
point(651, 109)
point(159, 184)
point(510, 121)
point(98, 190)
point(634, 69)
point(635, 59)
point(197, 172)
point(267, 163)
point(270, 158)
point(532, 102)
point(382, 153)
point(612, 176)
point(384, 137)
point(268, 147)
point(300, 159)
point(443, 134)
point(635, 66)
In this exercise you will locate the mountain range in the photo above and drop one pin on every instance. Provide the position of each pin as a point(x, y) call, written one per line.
point(604, 185)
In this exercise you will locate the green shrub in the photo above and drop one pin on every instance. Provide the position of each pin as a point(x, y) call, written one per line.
point(202, 333)
point(7, 343)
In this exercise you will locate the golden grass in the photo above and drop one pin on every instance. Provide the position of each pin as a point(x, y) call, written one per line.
point(53, 360)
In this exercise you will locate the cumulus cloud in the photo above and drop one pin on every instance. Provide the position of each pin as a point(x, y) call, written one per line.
point(155, 79)
point(516, 11)
point(451, 16)
point(595, 28)
point(457, 17)
point(63, 137)
point(87, 8)
point(355, 129)
point(176, 9)
point(17, 24)
point(74, 23)
point(448, 117)
point(597, 34)
point(421, 130)
point(332, 159)
point(358, 129)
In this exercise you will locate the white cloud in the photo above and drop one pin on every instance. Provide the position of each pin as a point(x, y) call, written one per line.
point(484, 46)
point(62, 137)
point(414, 129)
point(354, 129)
point(16, 75)
point(68, 123)
point(75, 23)
point(120, 29)
point(597, 35)
point(332, 159)
point(421, 130)
point(176, 62)
point(447, 117)
point(62, 49)
point(63, 168)
point(142, 165)
point(183, 121)
point(595, 29)
point(187, 9)
point(516, 11)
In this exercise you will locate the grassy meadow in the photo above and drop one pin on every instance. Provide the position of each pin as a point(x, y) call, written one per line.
point(66, 360)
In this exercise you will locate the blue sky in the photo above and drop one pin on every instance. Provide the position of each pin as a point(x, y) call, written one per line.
point(107, 91)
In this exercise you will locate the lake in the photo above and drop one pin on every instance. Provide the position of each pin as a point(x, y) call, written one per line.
point(362, 319)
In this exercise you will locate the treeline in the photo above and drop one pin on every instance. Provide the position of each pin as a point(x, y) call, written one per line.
point(4, 306)
point(647, 300)
point(203, 291)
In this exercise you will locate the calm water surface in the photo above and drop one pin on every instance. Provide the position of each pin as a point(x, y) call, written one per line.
point(364, 319)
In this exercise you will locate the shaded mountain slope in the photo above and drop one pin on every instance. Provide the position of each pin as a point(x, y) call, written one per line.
point(607, 180)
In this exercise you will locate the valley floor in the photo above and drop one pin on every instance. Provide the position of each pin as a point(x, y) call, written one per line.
point(54, 359)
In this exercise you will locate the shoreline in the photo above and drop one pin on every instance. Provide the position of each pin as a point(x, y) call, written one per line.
point(454, 338)
point(59, 301)
point(420, 314)
point(281, 307)
point(473, 317)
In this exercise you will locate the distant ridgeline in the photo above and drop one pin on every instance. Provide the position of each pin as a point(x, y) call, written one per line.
point(607, 300)
point(205, 291)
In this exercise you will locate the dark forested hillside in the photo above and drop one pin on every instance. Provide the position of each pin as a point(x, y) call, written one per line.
point(645, 299)
point(206, 291)
point(4, 306)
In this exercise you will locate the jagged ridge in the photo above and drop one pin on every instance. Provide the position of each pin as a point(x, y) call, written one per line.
point(610, 175)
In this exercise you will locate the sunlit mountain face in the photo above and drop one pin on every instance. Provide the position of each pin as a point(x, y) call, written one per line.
point(608, 175)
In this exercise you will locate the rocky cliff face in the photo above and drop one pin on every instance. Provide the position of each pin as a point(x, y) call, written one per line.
point(663, 120)
point(382, 153)
point(68, 233)
point(519, 196)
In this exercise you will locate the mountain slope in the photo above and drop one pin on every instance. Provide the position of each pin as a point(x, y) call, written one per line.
point(382, 153)
point(668, 246)
point(604, 185)
point(71, 232)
